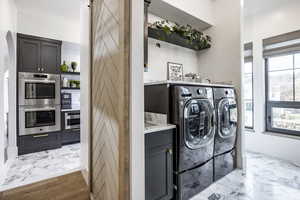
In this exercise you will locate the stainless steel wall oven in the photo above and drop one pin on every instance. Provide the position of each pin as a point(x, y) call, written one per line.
point(39, 103)
point(35, 120)
point(39, 89)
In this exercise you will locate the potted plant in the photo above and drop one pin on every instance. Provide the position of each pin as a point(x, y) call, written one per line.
point(77, 83)
point(74, 65)
point(64, 67)
point(180, 35)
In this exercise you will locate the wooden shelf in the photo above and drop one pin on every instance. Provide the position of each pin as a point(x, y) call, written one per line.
point(69, 88)
point(70, 73)
point(173, 38)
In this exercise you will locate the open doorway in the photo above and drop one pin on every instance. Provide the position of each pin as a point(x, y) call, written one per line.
point(43, 105)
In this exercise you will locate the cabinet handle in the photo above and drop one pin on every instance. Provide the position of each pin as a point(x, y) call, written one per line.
point(170, 151)
point(39, 136)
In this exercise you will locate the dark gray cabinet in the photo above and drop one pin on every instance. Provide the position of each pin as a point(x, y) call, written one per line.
point(38, 55)
point(39, 142)
point(29, 57)
point(159, 165)
point(50, 57)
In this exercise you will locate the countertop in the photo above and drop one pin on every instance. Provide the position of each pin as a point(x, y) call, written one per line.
point(72, 109)
point(187, 83)
point(150, 128)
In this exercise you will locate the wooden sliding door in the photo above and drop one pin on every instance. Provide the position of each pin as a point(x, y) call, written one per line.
point(110, 149)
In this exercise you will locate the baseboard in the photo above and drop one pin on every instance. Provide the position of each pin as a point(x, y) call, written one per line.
point(4, 169)
point(12, 152)
point(85, 175)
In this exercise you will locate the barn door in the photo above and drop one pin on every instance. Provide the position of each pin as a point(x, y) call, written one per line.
point(110, 100)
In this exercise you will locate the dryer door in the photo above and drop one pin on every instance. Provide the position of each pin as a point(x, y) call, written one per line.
point(227, 117)
point(198, 123)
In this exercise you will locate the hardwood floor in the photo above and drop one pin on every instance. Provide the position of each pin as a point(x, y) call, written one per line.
point(68, 187)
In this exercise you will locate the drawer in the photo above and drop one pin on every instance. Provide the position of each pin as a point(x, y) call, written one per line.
point(160, 138)
point(39, 142)
point(70, 136)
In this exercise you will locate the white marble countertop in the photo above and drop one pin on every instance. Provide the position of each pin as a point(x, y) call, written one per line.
point(186, 83)
point(150, 128)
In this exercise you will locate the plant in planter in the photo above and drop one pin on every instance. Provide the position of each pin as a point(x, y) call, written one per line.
point(74, 65)
point(64, 67)
point(192, 36)
point(77, 83)
point(74, 83)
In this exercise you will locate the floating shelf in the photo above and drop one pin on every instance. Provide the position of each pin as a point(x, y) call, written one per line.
point(172, 38)
point(70, 73)
point(69, 88)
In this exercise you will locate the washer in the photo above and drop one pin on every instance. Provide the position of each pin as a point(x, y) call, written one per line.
point(226, 132)
point(193, 113)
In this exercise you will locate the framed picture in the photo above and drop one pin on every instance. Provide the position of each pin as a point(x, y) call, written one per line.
point(175, 71)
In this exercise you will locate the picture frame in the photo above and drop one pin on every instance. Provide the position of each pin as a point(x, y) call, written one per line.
point(175, 71)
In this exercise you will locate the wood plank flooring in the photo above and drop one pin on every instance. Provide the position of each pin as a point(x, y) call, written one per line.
point(68, 187)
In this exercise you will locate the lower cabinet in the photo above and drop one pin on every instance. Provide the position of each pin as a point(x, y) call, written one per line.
point(39, 142)
point(70, 136)
point(159, 165)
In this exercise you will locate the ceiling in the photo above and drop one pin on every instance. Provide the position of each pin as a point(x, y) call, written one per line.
point(254, 6)
point(69, 9)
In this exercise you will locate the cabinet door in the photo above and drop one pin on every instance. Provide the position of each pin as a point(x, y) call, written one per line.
point(29, 55)
point(50, 57)
point(159, 173)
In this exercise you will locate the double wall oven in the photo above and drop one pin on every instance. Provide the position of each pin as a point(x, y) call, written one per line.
point(39, 103)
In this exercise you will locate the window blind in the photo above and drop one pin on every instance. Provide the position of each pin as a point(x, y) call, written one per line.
point(282, 44)
point(248, 52)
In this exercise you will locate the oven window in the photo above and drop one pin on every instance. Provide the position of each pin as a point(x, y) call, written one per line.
point(39, 118)
point(39, 90)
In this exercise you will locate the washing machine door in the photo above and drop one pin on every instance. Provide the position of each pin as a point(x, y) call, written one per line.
point(198, 123)
point(227, 117)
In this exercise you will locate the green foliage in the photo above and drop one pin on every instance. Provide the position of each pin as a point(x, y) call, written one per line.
point(193, 36)
point(64, 67)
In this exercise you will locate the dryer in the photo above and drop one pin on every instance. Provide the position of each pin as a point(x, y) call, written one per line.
point(226, 132)
point(193, 113)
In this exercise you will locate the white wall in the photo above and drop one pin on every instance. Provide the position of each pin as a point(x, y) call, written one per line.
point(222, 62)
point(85, 96)
point(49, 26)
point(136, 125)
point(159, 57)
point(8, 15)
point(274, 21)
point(202, 10)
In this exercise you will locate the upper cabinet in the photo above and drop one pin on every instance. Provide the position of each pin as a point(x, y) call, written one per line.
point(38, 55)
point(29, 57)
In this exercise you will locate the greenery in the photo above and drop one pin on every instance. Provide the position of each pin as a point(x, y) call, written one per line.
point(75, 82)
point(64, 67)
point(193, 36)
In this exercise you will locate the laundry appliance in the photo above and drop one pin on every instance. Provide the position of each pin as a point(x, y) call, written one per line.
point(226, 132)
point(193, 113)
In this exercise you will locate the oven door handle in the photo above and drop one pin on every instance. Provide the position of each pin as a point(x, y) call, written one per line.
point(39, 109)
point(39, 81)
point(73, 117)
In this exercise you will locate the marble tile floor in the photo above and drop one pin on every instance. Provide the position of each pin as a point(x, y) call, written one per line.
point(30, 168)
point(266, 178)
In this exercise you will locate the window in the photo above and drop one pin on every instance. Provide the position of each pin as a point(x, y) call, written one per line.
point(283, 93)
point(248, 86)
point(282, 59)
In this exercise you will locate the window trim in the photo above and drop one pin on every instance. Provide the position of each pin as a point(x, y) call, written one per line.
point(278, 104)
point(252, 77)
